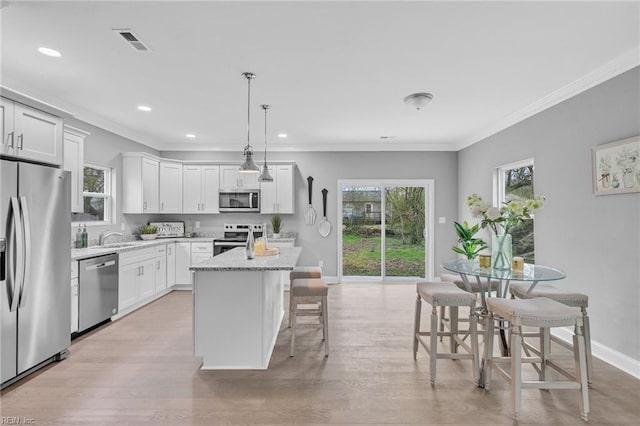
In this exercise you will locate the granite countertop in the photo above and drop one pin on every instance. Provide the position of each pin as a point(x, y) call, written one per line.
point(234, 260)
point(124, 246)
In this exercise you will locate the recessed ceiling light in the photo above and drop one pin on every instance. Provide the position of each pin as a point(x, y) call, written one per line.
point(49, 52)
point(387, 137)
point(144, 108)
point(190, 135)
point(282, 135)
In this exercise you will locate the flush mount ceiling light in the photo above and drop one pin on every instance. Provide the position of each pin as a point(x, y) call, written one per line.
point(282, 135)
point(248, 166)
point(144, 108)
point(418, 100)
point(49, 52)
point(265, 176)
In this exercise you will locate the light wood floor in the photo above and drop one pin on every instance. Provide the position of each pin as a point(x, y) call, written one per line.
point(140, 370)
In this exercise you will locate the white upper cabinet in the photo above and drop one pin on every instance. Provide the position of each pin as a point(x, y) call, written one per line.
point(74, 162)
point(277, 196)
point(200, 188)
point(230, 177)
point(140, 175)
point(31, 134)
point(170, 187)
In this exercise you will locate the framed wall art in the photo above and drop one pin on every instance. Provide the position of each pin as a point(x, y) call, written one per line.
point(616, 167)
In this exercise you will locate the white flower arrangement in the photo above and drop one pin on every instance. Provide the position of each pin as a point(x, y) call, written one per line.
point(506, 217)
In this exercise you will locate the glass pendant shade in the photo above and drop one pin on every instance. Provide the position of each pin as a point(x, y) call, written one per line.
point(265, 176)
point(248, 166)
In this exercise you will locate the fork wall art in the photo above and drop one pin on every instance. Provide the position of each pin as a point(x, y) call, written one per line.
point(616, 167)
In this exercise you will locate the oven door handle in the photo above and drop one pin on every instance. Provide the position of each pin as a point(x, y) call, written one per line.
point(228, 243)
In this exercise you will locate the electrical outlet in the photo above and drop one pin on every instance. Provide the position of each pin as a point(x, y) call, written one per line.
point(197, 224)
point(122, 227)
point(320, 263)
point(442, 219)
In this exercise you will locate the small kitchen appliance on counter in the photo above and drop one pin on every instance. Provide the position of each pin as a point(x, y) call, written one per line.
point(235, 235)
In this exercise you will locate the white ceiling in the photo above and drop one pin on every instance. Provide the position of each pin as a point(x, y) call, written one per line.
point(335, 73)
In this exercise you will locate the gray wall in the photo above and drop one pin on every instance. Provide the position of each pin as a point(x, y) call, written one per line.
point(595, 240)
point(326, 168)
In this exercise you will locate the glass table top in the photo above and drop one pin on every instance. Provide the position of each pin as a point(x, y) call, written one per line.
point(530, 272)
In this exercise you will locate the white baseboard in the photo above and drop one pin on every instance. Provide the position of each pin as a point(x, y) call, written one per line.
point(604, 353)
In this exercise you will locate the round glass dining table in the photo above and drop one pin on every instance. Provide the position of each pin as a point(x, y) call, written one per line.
point(501, 278)
point(471, 268)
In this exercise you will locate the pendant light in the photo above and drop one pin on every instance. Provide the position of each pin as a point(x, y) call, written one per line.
point(248, 166)
point(265, 176)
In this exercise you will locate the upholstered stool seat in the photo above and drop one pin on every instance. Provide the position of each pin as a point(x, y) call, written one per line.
point(569, 298)
point(543, 313)
point(301, 272)
point(445, 294)
point(314, 290)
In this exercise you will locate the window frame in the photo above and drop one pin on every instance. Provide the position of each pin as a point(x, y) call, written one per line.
point(108, 195)
point(499, 196)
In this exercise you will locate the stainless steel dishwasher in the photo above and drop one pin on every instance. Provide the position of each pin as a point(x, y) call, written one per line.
point(97, 290)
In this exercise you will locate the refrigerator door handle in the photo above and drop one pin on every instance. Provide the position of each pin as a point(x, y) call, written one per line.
point(17, 243)
point(26, 230)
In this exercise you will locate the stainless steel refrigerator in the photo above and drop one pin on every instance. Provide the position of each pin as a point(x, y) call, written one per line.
point(35, 266)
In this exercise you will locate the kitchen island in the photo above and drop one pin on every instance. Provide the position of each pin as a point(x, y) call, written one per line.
point(238, 308)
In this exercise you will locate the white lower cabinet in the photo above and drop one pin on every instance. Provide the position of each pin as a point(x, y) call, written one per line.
point(136, 276)
point(161, 269)
point(183, 261)
point(171, 264)
point(74, 296)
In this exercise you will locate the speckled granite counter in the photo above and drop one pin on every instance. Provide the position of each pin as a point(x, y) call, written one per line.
point(124, 246)
point(234, 260)
point(238, 308)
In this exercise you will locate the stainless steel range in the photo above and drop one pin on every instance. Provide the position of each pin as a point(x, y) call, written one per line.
point(235, 235)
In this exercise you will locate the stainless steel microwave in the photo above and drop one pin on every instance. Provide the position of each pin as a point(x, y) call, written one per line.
point(239, 200)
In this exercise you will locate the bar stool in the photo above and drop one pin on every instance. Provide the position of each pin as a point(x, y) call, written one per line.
point(578, 300)
point(316, 290)
point(453, 310)
point(301, 272)
point(441, 294)
point(543, 313)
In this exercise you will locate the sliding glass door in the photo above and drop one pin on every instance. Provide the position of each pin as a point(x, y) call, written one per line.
point(383, 229)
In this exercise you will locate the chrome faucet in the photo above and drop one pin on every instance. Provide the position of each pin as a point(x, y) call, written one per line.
point(106, 234)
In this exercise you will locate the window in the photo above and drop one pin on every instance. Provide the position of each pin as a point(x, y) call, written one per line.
point(515, 181)
point(97, 196)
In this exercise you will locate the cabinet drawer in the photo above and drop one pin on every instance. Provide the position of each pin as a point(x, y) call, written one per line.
point(202, 248)
point(136, 256)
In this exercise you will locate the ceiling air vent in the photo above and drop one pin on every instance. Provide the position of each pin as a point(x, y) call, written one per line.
point(132, 39)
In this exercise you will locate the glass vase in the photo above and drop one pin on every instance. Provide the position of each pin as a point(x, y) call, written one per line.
point(501, 254)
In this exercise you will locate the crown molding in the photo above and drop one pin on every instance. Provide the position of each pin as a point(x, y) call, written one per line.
point(310, 147)
point(621, 64)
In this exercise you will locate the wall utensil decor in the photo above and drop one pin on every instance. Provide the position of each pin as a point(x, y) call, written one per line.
point(324, 227)
point(310, 215)
point(616, 167)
